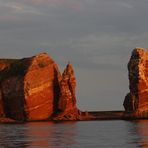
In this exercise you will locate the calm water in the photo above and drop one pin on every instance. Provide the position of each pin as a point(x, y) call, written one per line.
point(90, 134)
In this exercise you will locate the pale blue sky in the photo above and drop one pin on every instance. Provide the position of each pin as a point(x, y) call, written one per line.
point(97, 36)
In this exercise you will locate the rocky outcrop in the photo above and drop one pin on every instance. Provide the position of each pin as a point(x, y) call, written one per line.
point(33, 89)
point(136, 101)
point(67, 99)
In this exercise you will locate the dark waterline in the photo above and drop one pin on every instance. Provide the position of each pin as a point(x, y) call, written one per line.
point(89, 134)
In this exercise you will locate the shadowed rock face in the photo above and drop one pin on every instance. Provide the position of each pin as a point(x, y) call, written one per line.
point(1, 106)
point(33, 88)
point(137, 100)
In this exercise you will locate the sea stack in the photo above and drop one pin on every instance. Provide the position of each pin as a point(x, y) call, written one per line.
point(136, 102)
point(34, 89)
point(67, 99)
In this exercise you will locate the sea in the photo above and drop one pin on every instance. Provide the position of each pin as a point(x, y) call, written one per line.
point(80, 134)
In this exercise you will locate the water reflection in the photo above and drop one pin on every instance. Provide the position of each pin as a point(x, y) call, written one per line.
point(52, 134)
point(39, 134)
point(90, 134)
point(142, 130)
point(12, 136)
point(138, 131)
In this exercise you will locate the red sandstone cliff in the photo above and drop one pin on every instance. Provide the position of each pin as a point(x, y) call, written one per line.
point(67, 99)
point(136, 101)
point(33, 89)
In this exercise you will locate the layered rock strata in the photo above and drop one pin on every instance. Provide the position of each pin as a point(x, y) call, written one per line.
point(33, 89)
point(136, 102)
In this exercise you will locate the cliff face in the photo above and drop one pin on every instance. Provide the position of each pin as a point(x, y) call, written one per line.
point(67, 94)
point(136, 101)
point(32, 88)
point(67, 99)
point(41, 82)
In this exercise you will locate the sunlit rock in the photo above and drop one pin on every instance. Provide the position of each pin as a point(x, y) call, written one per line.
point(137, 100)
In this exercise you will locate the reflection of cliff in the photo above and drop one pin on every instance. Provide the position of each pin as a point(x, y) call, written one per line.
point(48, 134)
point(38, 134)
point(136, 101)
point(138, 133)
point(33, 89)
point(142, 130)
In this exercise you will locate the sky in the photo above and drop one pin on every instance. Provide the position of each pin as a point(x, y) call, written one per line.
point(96, 36)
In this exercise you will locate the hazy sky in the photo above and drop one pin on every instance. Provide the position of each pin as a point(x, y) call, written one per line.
point(97, 36)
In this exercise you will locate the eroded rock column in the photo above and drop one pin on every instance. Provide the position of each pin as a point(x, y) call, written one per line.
point(137, 100)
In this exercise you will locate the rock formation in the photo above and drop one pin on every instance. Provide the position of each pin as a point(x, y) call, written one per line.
point(67, 99)
point(33, 88)
point(136, 101)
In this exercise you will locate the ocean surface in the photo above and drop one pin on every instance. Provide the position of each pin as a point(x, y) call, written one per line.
point(84, 134)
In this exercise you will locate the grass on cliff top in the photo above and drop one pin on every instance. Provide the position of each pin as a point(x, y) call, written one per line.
point(14, 67)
